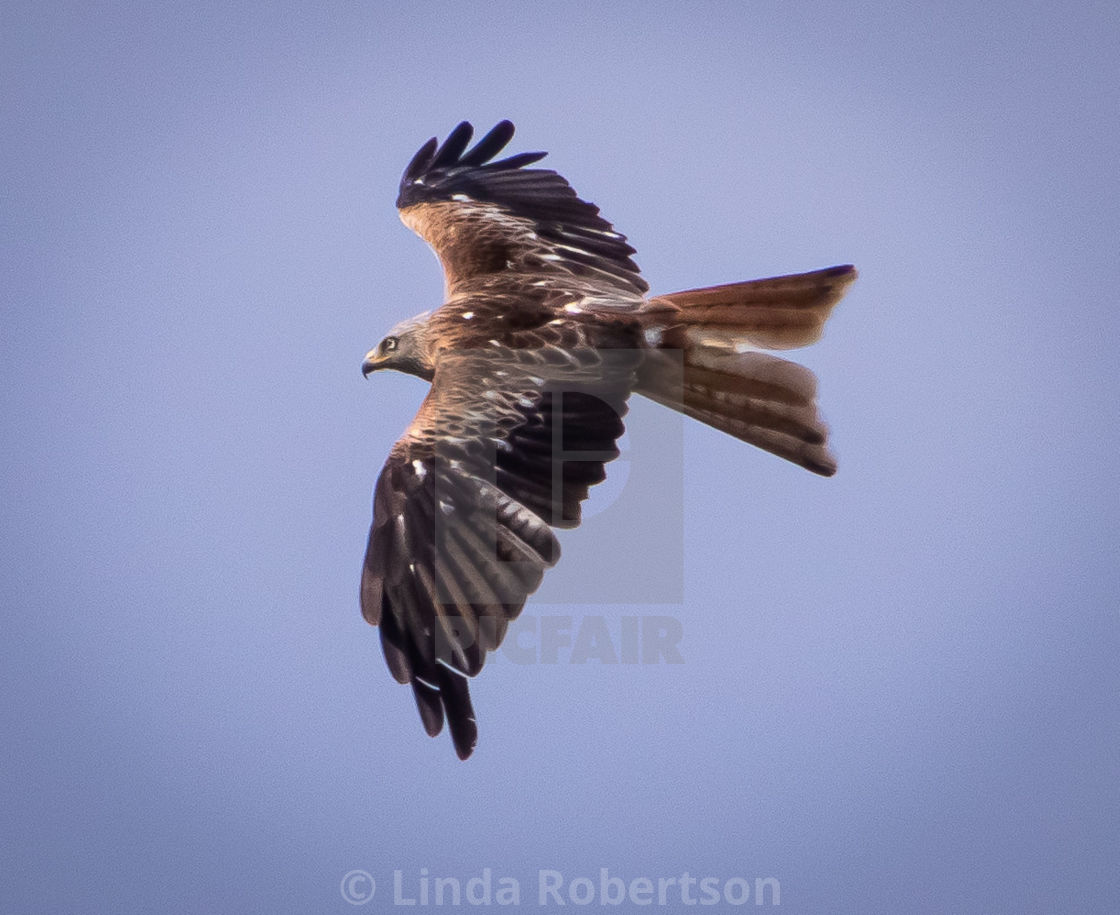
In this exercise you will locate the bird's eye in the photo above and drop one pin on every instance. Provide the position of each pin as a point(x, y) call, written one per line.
point(389, 344)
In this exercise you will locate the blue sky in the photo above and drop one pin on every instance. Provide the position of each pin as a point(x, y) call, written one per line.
point(898, 688)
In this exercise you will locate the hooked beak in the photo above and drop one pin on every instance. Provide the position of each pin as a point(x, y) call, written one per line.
point(371, 363)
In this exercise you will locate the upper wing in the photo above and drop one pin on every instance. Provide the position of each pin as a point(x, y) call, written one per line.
point(506, 444)
point(483, 217)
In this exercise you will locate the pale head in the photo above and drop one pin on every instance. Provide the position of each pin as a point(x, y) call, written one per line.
point(405, 348)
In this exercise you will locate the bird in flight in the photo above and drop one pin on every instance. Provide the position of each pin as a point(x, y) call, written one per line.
point(545, 332)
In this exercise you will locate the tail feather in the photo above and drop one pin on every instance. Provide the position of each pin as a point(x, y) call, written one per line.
point(758, 398)
point(702, 362)
point(782, 312)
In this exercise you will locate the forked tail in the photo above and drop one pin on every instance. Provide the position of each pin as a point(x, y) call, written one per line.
point(707, 365)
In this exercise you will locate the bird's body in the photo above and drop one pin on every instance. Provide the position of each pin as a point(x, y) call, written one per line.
point(545, 332)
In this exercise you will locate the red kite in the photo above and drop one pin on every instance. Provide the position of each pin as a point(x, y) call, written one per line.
point(545, 332)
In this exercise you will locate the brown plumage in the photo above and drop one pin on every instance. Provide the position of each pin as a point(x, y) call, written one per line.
point(545, 332)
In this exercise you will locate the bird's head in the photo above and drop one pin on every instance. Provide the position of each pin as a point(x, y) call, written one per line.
point(404, 348)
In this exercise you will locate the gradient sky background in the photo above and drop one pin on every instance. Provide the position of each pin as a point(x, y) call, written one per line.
point(900, 686)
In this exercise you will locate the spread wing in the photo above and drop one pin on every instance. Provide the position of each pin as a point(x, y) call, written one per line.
point(484, 217)
point(507, 443)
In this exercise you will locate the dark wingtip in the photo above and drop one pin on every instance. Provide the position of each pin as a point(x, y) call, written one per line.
point(490, 145)
point(459, 711)
point(453, 147)
point(522, 159)
point(453, 152)
point(419, 162)
point(464, 749)
point(430, 706)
